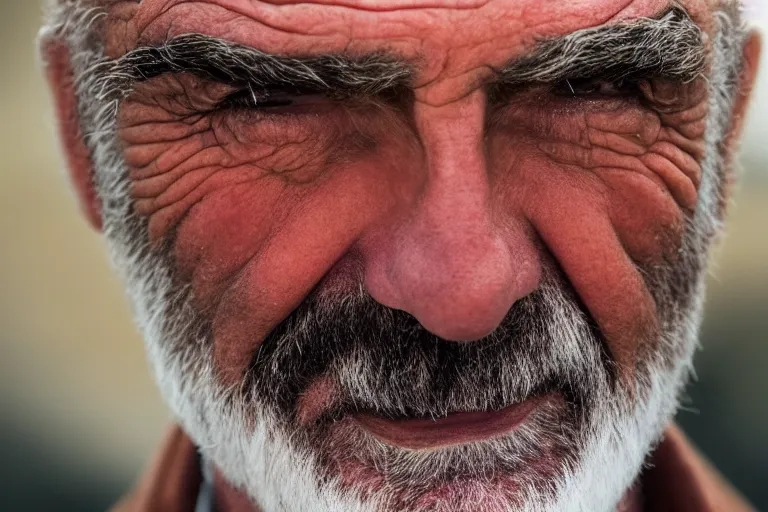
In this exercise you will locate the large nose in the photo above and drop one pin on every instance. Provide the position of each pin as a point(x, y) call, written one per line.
point(448, 259)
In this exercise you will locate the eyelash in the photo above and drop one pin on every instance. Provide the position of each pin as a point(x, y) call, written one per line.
point(249, 98)
point(596, 88)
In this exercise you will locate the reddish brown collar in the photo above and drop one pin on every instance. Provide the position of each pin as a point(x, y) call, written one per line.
point(680, 479)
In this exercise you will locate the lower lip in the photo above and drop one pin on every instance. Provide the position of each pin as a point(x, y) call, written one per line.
point(454, 429)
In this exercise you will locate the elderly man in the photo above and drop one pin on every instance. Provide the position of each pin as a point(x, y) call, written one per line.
point(388, 255)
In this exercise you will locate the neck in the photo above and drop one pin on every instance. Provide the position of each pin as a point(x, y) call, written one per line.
point(229, 499)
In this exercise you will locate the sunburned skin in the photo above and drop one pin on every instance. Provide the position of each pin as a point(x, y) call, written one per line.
point(445, 205)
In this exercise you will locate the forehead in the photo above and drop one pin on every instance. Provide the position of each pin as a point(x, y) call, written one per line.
point(451, 39)
point(322, 26)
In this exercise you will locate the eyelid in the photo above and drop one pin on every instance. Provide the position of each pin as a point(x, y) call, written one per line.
point(249, 97)
point(597, 87)
point(503, 92)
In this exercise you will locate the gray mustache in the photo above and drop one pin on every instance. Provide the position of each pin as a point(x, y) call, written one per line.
point(382, 361)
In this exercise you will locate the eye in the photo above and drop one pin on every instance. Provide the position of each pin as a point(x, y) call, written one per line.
point(595, 87)
point(251, 98)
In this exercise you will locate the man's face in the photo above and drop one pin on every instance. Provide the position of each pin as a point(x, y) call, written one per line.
point(414, 255)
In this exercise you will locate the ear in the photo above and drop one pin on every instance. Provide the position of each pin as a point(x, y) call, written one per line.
point(58, 70)
point(751, 51)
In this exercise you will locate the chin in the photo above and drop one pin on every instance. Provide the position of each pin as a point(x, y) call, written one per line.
point(548, 462)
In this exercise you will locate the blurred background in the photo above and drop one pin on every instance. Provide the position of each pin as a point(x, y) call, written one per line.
point(80, 414)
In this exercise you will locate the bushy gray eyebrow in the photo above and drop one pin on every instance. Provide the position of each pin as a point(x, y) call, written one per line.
point(670, 46)
point(238, 65)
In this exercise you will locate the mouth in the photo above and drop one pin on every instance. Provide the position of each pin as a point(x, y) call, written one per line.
point(454, 429)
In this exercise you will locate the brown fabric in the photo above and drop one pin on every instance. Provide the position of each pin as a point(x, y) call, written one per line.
point(681, 480)
point(678, 479)
point(171, 483)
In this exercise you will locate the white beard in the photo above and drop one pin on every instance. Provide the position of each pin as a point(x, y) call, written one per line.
point(263, 463)
point(279, 477)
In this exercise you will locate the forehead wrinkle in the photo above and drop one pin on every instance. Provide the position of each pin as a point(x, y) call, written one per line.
point(560, 58)
point(289, 17)
point(423, 61)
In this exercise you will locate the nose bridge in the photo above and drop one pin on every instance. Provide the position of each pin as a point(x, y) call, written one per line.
point(457, 178)
point(446, 263)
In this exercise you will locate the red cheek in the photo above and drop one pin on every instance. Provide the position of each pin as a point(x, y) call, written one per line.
point(648, 225)
point(222, 233)
point(574, 224)
point(310, 233)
